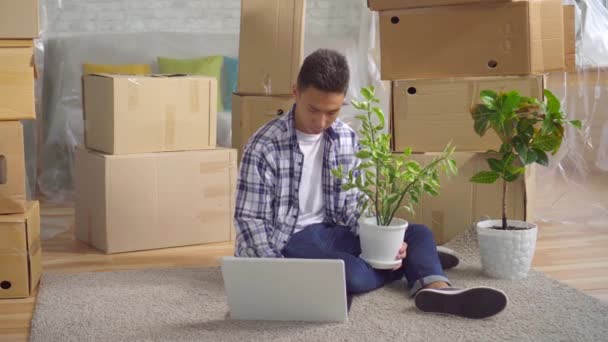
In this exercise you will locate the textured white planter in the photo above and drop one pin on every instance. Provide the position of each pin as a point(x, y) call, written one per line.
point(380, 244)
point(506, 254)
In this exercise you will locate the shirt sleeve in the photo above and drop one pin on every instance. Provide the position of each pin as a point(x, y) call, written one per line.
point(351, 211)
point(254, 201)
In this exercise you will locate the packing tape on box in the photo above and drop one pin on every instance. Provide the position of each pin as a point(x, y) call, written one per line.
point(219, 167)
point(170, 117)
point(132, 94)
point(195, 101)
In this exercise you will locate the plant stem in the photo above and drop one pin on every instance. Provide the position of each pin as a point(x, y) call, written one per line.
point(422, 173)
point(504, 204)
point(378, 213)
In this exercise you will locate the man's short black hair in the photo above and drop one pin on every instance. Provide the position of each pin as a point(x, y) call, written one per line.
point(326, 70)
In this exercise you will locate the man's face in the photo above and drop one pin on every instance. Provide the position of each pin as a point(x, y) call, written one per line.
point(316, 110)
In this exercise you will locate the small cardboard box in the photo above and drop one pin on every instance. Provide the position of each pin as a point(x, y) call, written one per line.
point(462, 203)
point(18, 19)
point(148, 201)
point(570, 37)
point(155, 113)
point(490, 39)
point(16, 80)
point(20, 253)
point(249, 113)
point(12, 168)
point(271, 46)
point(428, 114)
point(384, 5)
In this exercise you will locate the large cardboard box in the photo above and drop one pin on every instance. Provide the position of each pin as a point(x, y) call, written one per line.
point(570, 37)
point(154, 200)
point(18, 19)
point(461, 203)
point(503, 38)
point(249, 113)
point(12, 168)
point(16, 80)
point(271, 46)
point(155, 113)
point(20, 253)
point(384, 5)
point(428, 114)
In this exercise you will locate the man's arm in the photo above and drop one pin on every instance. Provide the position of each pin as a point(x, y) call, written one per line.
point(254, 212)
point(351, 212)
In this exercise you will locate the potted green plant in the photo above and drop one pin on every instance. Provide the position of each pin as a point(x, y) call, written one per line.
point(529, 130)
point(387, 182)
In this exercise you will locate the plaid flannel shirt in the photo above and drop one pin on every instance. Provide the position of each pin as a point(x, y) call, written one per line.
point(267, 205)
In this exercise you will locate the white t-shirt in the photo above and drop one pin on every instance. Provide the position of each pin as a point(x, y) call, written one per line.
point(312, 208)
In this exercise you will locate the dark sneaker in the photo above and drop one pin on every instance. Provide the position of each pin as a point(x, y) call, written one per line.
point(447, 257)
point(476, 302)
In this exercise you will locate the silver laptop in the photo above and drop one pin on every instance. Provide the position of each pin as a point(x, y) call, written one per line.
point(283, 289)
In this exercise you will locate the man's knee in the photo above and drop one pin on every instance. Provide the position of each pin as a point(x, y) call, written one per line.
point(420, 231)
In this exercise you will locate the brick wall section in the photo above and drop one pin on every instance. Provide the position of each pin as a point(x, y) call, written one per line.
point(205, 16)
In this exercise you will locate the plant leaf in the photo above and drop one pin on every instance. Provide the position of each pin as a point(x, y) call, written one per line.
point(488, 93)
point(368, 93)
point(363, 154)
point(577, 123)
point(380, 115)
point(485, 177)
point(546, 143)
point(542, 159)
point(553, 104)
point(496, 165)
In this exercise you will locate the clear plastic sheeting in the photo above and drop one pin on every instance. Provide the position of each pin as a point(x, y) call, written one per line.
point(573, 177)
point(61, 114)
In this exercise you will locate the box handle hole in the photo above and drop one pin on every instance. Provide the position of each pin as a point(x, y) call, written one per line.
point(395, 20)
point(412, 90)
point(492, 64)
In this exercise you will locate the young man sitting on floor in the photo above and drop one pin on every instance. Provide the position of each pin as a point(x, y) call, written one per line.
point(288, 204)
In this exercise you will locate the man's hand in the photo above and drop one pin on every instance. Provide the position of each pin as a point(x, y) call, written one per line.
point(401, 255)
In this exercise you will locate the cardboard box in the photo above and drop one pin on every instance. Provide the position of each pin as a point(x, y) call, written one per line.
point(16, 80)
point(12, 168)
point(570, 37)
point(156, 113)
point(18, 19)
point(428, 114)
point(271, 46)
point(384, 5)
point(20, 253)
point(510, 38)
point(462, 203)
point(249, 113)
point(148, 201)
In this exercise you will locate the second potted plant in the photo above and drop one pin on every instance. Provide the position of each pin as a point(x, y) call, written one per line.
point(529, 130)
point(385, 181)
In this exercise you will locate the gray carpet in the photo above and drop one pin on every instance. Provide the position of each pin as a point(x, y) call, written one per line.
point(189, 305)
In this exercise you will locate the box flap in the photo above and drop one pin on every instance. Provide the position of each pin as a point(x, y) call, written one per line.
point(16, 43)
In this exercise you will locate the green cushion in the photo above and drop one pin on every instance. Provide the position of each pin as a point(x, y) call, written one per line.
point(207, 66)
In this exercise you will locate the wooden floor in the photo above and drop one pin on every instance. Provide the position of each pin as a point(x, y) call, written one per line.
point(576, 254)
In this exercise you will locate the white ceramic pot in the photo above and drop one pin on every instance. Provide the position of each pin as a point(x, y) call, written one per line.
point(380, 244)
point(506, 254)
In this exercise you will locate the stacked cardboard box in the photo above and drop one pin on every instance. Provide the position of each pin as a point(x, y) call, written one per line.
point(151, 176)
point(270, 55)
point(20, 253)
point(440, 54)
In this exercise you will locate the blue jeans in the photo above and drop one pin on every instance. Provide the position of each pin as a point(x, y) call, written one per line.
point(321, 241)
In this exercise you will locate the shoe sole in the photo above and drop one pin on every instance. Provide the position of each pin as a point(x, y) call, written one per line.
point(474, 303)
point(447, 258)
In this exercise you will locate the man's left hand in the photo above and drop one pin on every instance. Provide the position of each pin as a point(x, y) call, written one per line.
point(401, 255)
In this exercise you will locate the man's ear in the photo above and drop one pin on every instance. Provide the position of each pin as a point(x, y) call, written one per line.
point(294, 91)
